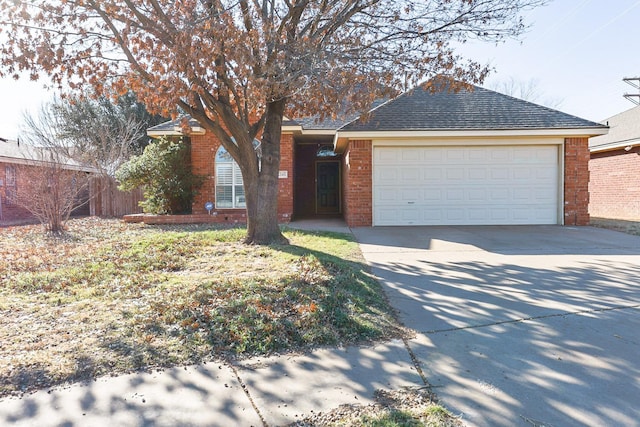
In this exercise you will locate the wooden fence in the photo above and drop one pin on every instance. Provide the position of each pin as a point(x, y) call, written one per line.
point(108, 201)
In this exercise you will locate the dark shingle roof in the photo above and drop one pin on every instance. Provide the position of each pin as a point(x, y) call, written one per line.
point(478, 109)
point(171, 125)
point(311, 123)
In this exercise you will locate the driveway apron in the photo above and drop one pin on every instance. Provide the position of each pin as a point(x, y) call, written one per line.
point(519, 325)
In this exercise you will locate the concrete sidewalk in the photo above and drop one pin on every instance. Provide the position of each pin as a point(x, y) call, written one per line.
point(272, 391)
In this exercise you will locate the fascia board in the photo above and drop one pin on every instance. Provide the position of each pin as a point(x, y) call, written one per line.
point(567, 133)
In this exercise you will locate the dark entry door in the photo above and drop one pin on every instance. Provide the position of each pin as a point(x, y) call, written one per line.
point(328, 187)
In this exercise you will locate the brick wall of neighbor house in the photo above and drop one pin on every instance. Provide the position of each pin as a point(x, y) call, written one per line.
point(9, 211)
point(576, 181)
point(358, 184)
point(203, 153)
point(614, 187)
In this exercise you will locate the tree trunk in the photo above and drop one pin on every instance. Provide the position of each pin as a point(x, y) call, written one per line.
point(261, 191)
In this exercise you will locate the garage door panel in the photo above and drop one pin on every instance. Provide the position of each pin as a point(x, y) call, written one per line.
point(411, 175)
point(432, 194)
point(547, 174)
point(499, 174)
point(411, 155)
point(499, 194)
point(466, 185)
point(499, 214)
point(431, 156)
point(455, 194)
point(477, 174)
point(388, 175)
point(454, 155)
point(478, 214)
point(455, 174)
point(432, 176)
point(522, 194)
point(477, 194)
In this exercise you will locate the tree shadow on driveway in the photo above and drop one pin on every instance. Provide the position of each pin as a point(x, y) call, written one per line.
point(544, 335)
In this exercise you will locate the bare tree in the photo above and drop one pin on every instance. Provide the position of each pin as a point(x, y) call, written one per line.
point(528, 90)
point(237, 66)
point(90, 132)
point(52, 183)
point(50, 187)
point(102, 132)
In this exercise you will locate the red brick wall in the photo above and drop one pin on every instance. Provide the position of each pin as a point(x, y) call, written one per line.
point(576, 181)
point(285, 186)
point(203, 153)
point(614, 187)
point(9, 210)
point(358, 184)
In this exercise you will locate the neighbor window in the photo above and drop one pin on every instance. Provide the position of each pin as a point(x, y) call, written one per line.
point(10, 175)
point(10, 197)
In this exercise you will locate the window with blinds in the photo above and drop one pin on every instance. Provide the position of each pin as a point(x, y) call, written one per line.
point(229, 186)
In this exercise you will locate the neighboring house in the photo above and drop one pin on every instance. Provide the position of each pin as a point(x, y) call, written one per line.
point(615, 168)
point(423, 158)
point(14, 158)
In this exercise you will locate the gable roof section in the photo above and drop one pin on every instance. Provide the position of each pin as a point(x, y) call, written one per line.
point(418, 111)
point(477, 109)
point(624, 131)
point(15, 153)
point(174, 128)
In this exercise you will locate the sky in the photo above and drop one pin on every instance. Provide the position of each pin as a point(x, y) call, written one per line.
point(576, 52)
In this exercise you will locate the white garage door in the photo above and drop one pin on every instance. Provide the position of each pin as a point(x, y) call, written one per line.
point(472, 185)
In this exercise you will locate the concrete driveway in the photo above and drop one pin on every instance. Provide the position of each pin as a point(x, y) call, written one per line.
point(519, 326)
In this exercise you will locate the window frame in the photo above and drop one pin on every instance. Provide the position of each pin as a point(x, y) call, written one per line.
point(236, 187)
point(10, 175)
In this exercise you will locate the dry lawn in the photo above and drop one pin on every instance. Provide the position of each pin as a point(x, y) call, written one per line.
point(111, 297)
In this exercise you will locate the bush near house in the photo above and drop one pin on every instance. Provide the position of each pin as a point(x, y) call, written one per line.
point(164, 171)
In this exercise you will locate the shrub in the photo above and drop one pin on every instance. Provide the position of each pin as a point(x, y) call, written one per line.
point(164, 172)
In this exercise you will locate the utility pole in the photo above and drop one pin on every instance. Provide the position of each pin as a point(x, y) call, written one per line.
point(635, 82)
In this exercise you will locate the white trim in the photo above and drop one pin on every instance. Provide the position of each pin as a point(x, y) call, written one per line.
point(291, 128)
point(478, 141)
point(298, 129)
point(341, 139)
point(174, 132)
point(614, 145)
point(318, 132)
point(566, 133)
point(561, 179)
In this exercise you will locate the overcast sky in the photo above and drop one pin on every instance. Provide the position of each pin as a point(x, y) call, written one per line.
point(577, 52)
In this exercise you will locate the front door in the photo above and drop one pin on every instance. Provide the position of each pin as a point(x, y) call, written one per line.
point(328, 187)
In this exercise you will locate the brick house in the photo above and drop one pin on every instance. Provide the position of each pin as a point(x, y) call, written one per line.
point(423, 158)
point(15, 162)
point(615, 168)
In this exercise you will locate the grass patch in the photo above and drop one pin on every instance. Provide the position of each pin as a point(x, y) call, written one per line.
point(625, 226)
point(110, 298)
point(396, 408)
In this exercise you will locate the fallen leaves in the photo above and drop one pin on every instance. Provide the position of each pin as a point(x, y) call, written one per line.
point(109, 298)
